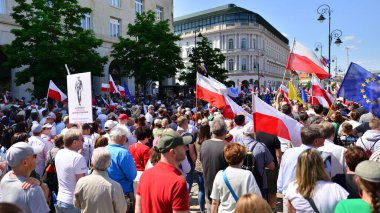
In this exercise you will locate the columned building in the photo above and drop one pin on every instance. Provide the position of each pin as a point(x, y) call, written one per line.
point(254, 49)
point(109, 20)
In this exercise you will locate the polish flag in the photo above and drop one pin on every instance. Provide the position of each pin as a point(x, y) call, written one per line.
point(121, 90)
point(105, 87)
point(113, 87)
point(319, 95)
point(232, 109)
point(284, 91)
point(210, 90)
point(303, 59)
point(55, 93)
point(271, 121)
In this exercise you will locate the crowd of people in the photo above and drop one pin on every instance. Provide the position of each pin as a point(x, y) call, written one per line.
point(146, 156)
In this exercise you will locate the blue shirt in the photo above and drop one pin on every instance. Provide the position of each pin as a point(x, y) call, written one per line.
point(122, 168)
point(288, 166)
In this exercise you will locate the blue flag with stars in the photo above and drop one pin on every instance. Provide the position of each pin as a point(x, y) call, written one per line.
point(363, 87)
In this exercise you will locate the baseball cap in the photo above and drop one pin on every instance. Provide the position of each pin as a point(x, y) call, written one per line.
point(150, 107)
point(170, 139)
point(123, 117)
point(51, 115)
point(47, 125)
point(368, 170)
point(157, 121)
point(36, 128)
point(110, 124)
point(18, 152)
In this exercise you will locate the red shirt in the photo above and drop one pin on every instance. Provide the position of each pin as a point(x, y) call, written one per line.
point(141, 155)
point(163, 189)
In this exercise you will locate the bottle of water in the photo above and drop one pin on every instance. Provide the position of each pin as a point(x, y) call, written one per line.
point(54, 196)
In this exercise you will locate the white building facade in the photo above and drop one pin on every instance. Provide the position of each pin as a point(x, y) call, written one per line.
point(254, 49)
point(109, 20)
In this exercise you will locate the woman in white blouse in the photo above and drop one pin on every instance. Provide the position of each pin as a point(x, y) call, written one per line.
point(312, 190)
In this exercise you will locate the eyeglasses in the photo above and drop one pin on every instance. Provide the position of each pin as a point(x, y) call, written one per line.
point(35, 156)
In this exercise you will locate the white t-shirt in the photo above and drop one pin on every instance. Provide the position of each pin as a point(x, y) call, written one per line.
point(149, 118)
point(241, 181)
point(68, 163)
point(325, 196)
point(44, 147)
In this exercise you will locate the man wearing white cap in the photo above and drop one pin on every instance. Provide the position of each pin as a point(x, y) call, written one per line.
point(149, 115)
point(21, 157)
point(108, 126)
point(38, 143)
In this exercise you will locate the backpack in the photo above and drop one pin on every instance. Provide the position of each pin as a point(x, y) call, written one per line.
point(368, 151)
point(50, 175)
point(250, 164)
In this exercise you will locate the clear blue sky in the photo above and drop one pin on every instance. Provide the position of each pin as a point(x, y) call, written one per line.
point(358, 20)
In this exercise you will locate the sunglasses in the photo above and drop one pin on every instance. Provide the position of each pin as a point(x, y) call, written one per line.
point(35, 156)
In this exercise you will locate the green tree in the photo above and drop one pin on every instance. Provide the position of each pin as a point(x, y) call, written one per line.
point(150, 52)
point(210, 57)
point(50, 35)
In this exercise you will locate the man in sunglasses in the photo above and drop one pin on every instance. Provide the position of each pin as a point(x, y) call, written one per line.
point(22, 158)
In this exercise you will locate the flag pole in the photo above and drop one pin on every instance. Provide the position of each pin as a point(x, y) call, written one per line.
point(196, 99)
point(67, 69)
point(47, 96)
point(289, 60)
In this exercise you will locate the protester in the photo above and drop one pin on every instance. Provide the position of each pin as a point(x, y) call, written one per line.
point(233, 182)
point(97, 193)
point(237, 131)
point(312, 191)
point(70, 167)
point(252, 203)
point(22, 158)
point(370, 139)
point(122, 168)
point(212, 156)
point(101, 142)
point(368, 179)
point(262, 158)
point(336, 151)
point(171, 194)
point(353, 156)
point(203, 135)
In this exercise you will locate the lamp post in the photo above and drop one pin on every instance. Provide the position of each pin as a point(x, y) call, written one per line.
point(335, 34)
point(335, 59)
point(195, 45)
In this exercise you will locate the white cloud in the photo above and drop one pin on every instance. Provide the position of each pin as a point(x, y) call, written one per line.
point(348, 38)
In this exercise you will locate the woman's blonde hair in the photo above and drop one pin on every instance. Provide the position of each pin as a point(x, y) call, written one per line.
point(310, 169)
point(252, 203)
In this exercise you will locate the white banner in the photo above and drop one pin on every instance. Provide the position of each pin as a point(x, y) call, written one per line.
point(80, 98)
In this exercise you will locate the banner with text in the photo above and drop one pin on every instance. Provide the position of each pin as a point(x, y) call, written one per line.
point(80, 98)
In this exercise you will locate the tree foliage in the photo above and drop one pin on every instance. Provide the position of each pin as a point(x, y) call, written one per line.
point(150, 52)
point(211, 58)
point(50, 35)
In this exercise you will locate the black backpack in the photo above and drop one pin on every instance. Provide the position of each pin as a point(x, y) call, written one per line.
point(250, 164)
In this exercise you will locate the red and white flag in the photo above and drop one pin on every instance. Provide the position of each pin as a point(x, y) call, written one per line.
point(232, 109)
point(105, 87)
point(271, 121)
point(55, 93)
point(121, 90)
point(284, 91)
point(210, 90)
point(304, 60)
point(113, 87)
point(319, 95)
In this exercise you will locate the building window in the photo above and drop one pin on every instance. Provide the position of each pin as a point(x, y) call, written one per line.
point(139, 7)
point(244, 43)
point(115, 3)
point(230, 44)
point(159, 13)
point(115, 27)
point(230, 64)
point(3, 7)
point(86, 21)
point(244, 64)
point(254, 43)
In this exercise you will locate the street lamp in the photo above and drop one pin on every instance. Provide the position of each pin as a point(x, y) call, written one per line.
point(318, 45)
point(257, 65)
point(195, 45)
point(335, 34)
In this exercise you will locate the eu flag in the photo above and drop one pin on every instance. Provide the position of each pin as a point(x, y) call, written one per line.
point(363, 87)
